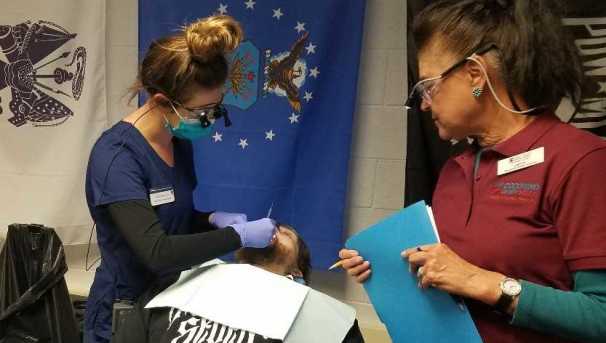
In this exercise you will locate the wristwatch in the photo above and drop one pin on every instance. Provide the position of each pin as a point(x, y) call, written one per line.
point(510, 289)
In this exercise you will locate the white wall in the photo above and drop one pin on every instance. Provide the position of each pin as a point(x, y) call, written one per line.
point(376, 183)
point(121, 56)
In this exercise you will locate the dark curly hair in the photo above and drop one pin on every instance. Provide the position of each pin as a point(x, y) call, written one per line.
point(537, 58)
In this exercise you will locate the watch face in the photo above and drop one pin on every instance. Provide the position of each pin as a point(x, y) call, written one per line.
point(511, 287)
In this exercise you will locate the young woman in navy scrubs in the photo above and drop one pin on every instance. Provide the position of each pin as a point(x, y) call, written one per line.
point(140, 176)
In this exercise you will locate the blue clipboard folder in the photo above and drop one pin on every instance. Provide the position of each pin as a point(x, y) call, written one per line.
point(410, 314)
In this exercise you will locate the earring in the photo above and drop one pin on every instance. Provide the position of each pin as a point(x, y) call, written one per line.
point(477, 92)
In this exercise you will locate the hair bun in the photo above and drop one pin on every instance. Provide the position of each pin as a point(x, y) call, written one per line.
point(210, 37)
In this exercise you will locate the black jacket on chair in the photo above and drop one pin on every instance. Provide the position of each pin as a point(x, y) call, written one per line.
point(34, 301)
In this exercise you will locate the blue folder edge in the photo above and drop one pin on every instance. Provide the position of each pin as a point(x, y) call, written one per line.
point(409, 313)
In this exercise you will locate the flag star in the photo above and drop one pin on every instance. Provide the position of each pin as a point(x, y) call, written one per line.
point(308, 96)
point(243, 143)
point(250, 4)
point(222, 9)
point(300, 27)
point(314, 72)
point(602, 87)
point(310, 48)
point(270, 135)
point(294, 118)
point(218, 137)
point(277, 13)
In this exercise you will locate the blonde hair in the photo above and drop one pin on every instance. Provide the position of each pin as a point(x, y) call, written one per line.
point(193, 56)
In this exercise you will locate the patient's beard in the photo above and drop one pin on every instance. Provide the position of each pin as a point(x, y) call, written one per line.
point(275, 254)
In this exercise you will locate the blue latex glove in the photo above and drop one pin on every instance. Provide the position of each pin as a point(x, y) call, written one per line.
point(225, 219)
point(256, 234)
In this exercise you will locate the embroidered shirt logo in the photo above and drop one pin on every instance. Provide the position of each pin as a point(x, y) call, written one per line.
point(523, 191)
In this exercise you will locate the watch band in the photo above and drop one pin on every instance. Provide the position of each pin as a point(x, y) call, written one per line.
point(503, 303)
point(507, 298)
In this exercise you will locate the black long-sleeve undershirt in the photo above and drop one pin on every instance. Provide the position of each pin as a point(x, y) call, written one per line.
point(138, 223)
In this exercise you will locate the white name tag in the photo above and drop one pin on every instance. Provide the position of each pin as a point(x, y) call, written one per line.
point(161, 196)
point(521, 161)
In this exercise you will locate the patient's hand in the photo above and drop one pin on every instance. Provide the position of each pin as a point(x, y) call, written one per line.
point(355, 265)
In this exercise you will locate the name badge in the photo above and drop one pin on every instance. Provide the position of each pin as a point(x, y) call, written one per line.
point(521, 161)
point(161, 196)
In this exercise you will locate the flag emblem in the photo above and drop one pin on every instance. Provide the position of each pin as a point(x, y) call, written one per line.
point(25, 46)
point(290, 94)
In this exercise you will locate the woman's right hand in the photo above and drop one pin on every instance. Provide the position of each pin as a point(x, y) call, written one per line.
point(256, 234)
point(355, 265)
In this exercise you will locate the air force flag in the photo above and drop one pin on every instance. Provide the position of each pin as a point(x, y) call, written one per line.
point(291, 96)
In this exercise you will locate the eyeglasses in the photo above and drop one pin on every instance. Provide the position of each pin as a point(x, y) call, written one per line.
point(207, 114)
point(425, 89)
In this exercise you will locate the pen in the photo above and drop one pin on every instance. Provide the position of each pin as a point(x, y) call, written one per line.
point(270, 209)
point(339, 263)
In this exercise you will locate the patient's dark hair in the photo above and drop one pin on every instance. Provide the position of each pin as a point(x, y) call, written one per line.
point(258, 256)
point(303, 258)
point(537, 58)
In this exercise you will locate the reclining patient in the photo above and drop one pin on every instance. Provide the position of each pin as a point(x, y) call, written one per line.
point(287, 256)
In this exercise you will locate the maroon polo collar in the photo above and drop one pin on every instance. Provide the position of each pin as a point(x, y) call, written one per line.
point(528, 136)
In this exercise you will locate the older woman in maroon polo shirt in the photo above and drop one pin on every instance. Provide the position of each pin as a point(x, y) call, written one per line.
point(522, 212)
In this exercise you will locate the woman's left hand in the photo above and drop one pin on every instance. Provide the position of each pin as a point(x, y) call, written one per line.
point(224, 219)
point(438, 266)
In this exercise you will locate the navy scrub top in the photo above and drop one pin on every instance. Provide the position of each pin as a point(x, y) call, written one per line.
point(123, 166)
